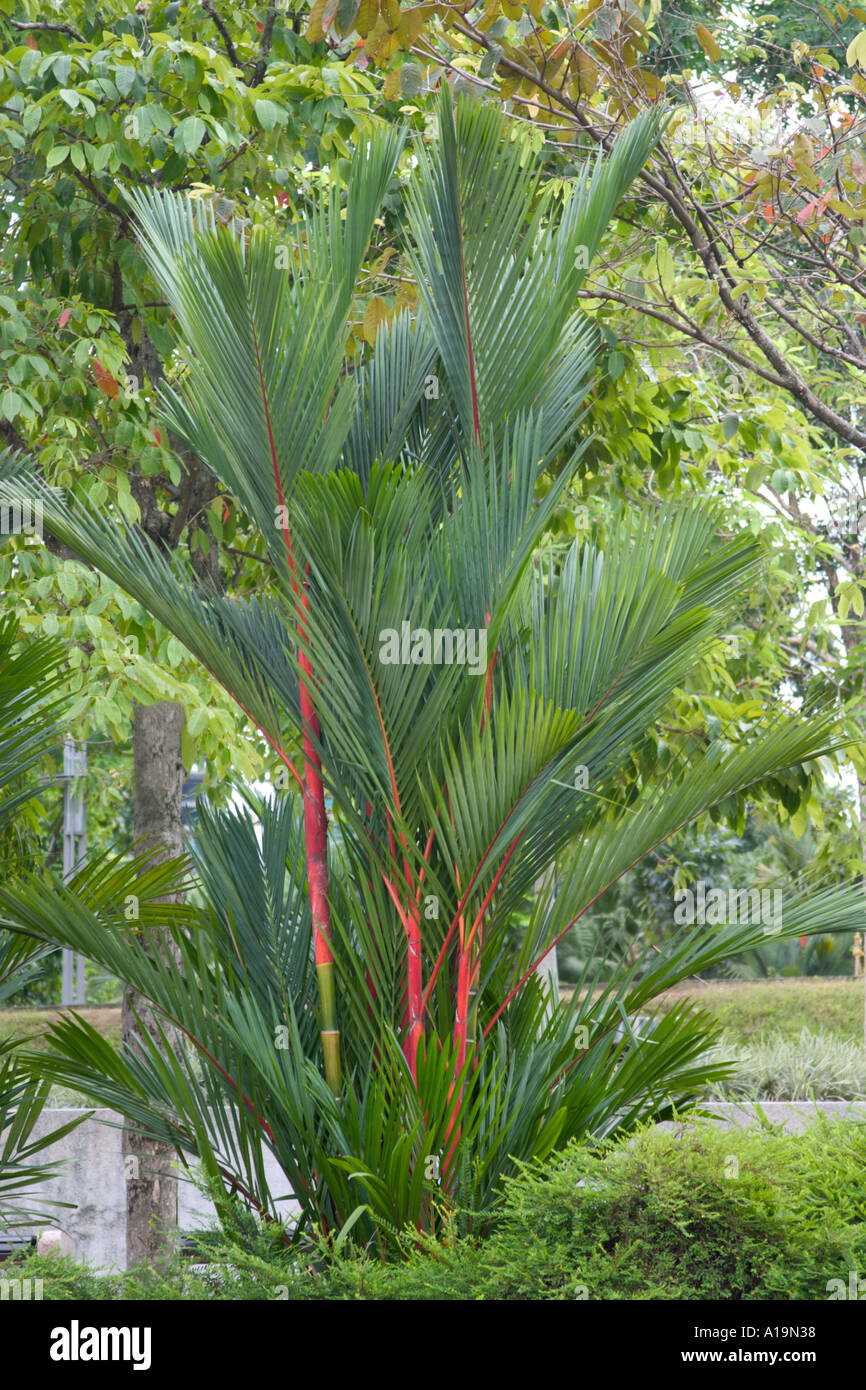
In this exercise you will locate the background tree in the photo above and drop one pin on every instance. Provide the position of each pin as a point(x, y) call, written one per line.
point(91, 105)
point(95, 102)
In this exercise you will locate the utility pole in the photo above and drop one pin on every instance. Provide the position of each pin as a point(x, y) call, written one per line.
point(74, 851)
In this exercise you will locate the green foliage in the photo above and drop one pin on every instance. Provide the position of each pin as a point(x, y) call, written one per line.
point(783, 1007)
point(30, 682)
point(94, 102)
point(31, 677)
point(765, 50)
point(713, 379)
point(812, 1066)
point(672, 1216)
point(64, 1279)
point(825, 955)
point(693, 1214)
point(453, 784)
point(639, 908)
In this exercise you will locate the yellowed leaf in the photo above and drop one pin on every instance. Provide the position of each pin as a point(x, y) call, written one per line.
point(585, 79)
point(315, 32)
point(376, 314)
point(393, 88)
point(410, 26)
point(652, 85)
point(490, 15)
point(380, 263)
point(587, 11)
point(368, 13)
point(855, 54)
point(555, 59)
point(377, 38)
point(708, 43)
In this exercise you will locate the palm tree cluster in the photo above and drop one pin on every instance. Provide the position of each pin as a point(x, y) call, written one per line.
point(350, 995)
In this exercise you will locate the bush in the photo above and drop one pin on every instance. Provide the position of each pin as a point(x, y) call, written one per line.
point(814, 1066)
point(699, 1214)
point(63, 1278)
point(687, 1214)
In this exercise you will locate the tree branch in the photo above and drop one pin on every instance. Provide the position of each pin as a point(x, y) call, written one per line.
point(704, 238)
point(690, 329)
point(265, 47)
point(231, 51)
point(44, 24)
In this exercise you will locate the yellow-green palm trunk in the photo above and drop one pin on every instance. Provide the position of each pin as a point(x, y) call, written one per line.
point(330, 1033)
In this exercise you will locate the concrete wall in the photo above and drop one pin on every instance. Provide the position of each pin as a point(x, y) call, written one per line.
point(792, 1115)
point(93, 1177)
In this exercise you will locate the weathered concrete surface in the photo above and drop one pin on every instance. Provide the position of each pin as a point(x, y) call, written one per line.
point(793, 1115)
point(93, 1179)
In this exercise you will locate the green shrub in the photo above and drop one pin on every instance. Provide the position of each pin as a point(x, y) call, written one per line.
point(63, 1278)
point(697, 1213)
point(813, 1066)
point(701, 1214)
point(686, 1214)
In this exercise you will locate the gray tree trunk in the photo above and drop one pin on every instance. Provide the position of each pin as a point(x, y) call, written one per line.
point(547, 968)
point(851, 637)
point(151, 1186)
point(861, 790)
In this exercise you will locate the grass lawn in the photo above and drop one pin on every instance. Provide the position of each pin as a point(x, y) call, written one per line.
point(748, 1008)
point(30, 1023)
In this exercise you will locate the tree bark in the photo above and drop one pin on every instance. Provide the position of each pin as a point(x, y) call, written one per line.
point(851, 638)
point(547, 968)
point(151, 1186)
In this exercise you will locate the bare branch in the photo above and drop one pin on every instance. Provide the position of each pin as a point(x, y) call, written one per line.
point(44, 24)
point(231, 51)
point(261, 66)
